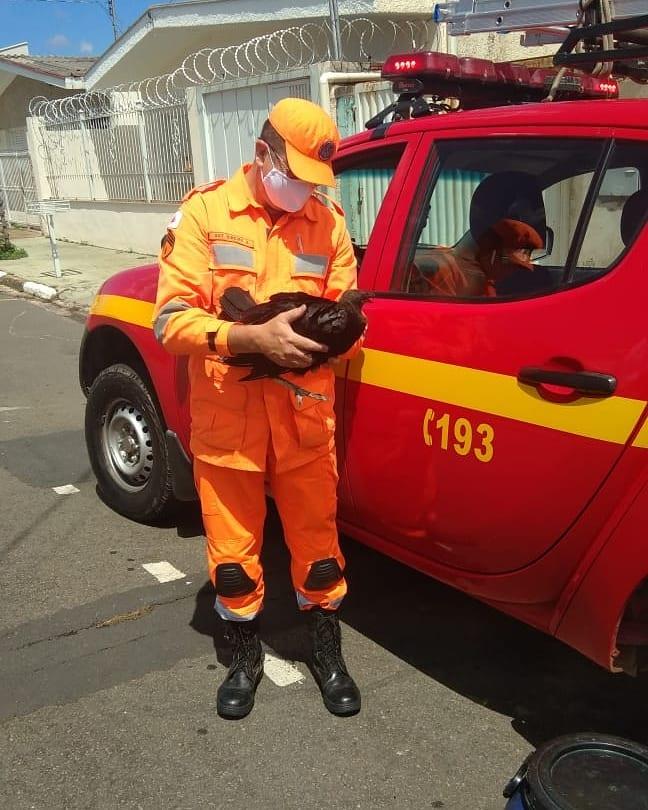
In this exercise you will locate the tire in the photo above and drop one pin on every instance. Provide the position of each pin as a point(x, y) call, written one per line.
point(126, 444)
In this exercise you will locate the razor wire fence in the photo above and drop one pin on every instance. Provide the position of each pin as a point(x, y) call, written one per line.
point(132, 142)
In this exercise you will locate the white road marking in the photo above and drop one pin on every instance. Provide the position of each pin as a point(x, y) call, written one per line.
point(66, 489)
point(281, 672)
point(163, 571)
point(4, 408)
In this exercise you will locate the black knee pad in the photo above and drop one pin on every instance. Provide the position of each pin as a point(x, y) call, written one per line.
point(322, 574)
point(231, 580)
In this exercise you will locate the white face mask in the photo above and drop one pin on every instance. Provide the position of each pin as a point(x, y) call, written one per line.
point(284, 192)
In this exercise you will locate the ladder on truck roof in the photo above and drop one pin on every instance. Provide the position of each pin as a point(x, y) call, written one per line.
point(475, 16)
point(602, 36)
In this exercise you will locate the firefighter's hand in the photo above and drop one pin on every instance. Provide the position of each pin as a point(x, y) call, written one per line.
point(278, 342)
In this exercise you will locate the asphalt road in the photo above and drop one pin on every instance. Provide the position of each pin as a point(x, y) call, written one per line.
point(108, 677)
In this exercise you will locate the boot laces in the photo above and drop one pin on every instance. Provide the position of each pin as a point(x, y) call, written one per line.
point(329, 640)
point(247, 649)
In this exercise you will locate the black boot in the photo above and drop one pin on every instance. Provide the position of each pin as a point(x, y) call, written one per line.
point(236, 693)
point(340, 693)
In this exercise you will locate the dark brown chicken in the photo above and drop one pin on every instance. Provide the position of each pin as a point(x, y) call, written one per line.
point(336, 324)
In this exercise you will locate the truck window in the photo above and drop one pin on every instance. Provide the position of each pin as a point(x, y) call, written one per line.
point(362, 184)
point(496, 218)
point(619, 211)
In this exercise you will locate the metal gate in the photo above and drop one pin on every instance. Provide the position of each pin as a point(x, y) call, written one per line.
point(233, 119)
point(17, 187)
point(112, 153)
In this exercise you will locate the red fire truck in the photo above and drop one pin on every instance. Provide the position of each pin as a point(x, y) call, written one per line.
point(492, 435)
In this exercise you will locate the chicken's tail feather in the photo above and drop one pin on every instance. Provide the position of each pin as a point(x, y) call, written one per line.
point(234, 302)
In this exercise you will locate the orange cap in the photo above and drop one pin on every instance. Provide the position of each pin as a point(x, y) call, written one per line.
point(311, 139)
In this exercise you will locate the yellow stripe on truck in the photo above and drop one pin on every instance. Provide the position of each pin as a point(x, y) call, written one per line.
point(610, 419)
point(121, 308)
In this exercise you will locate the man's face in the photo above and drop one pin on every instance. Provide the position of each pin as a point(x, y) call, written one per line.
point(277, 187)
point(268, 158)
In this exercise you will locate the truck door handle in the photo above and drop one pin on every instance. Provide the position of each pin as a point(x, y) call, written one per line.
point(585, 382)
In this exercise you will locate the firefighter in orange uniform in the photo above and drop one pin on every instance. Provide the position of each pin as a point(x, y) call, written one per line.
point(266, 230)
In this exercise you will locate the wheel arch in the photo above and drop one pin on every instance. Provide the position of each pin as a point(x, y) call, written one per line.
point(632, 635)
point(607, 618)
point(105, 346)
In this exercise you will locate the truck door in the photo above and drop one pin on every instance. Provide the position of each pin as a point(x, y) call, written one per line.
point(369, 178)
point(500, 380)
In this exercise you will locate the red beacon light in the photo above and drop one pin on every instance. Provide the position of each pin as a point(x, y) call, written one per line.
point(477, 83)
point(593, 87)
point(419, 65)
point(509, 73)
point(578, 85)
point(480, 70)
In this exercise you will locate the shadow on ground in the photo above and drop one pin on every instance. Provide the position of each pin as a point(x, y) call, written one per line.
point(546, 688)
point(46, 460)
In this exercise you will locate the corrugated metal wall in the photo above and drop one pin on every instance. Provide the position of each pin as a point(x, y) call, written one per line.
point(361, 191)
point(370, 98)
point(449, 216)
point(234, 117)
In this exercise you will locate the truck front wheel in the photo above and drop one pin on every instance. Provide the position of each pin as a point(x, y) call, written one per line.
point(125, 440)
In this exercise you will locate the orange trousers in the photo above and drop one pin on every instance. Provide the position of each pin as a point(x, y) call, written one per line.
point(234, 509)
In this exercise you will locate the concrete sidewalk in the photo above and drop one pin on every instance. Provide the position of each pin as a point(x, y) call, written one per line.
point(83, 268)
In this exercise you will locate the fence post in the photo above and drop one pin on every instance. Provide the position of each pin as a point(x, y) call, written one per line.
point(145, 160)
point(334, 16)
point(52, 237)
point(5, 193)
point(86, 157)
point(23, 185)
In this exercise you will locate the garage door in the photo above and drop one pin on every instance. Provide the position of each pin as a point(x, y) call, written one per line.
point(233, 120)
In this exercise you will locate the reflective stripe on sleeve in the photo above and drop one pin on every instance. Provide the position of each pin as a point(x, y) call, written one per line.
point(163, 317)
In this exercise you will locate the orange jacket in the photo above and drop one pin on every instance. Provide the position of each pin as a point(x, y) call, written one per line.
point(222, 237)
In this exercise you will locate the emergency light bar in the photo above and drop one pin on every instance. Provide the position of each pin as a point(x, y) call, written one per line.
point(482, 83)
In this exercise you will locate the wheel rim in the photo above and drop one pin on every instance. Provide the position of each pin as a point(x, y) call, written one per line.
point(127, 445)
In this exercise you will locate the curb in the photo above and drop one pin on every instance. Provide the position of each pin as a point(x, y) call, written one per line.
point(44, 293)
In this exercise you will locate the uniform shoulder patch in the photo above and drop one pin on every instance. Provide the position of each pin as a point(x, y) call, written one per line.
point(167, 244)
point(329, 202)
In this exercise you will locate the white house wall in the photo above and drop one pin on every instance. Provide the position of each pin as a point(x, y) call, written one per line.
point(497, 47)
point(136, 227)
